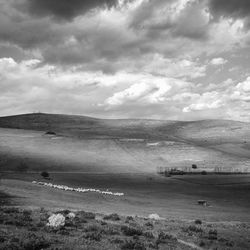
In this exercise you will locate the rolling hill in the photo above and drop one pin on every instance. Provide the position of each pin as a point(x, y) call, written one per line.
point(87, 144)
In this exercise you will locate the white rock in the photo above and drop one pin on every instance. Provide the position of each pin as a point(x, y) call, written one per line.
point(71, 215)
point(154, 217)
point(56, 220)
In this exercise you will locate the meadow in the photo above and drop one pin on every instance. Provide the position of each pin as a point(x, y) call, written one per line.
point(124, 156)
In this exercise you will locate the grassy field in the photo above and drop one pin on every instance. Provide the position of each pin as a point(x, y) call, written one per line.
point(143, 194)
point(27, 229)
point(123, 156)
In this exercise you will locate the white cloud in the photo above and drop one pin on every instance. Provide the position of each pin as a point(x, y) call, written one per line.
point(148, 89)
point(218, 61)
point(244, 86)
point(208, 100)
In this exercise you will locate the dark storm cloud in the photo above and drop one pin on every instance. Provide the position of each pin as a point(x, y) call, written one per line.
point(66, 9)
point(158, 18)
point(230, 8)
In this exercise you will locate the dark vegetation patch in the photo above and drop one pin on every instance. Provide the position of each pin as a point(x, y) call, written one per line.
point(50, 133)
point(28, 230)
point(113, 217)
point(5, 199)
point(131, 231)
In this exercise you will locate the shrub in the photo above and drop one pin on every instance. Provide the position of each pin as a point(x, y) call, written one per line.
point(198, 222)
point(2, 239)
point(192, 229)
point(117, 240)
point(202, 244)
point(93, 236)
point(212, 234)
point(27, 213)
point(111, 230)
point(128, 219)
point(166, 238)
point(114, 217)
point(204, 172)
point(148, 234)
point(194, 166)
point(50, 133)
point(10, 210)
point(92, 228)
point(149, 224)
point(136, 245)
point(86, 215)
point(45, 174)
point(131, 231)
point(34, 242)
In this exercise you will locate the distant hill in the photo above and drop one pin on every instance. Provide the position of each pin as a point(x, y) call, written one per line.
point(81, 143)
point(201, 132)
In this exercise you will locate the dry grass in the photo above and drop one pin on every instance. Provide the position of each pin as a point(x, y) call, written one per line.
point(27, 230)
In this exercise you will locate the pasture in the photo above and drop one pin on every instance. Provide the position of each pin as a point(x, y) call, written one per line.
point(123, 156)
point(143, 194)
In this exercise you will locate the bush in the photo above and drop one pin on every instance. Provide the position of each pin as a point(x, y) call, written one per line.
point(194, 166)
point(198, 222)
point(148, 234)
point(93, 236)
point(204, 172)
point(166, 238)
point(212, 234)
point(86, 215)
point(34, 242)
point(114, 217)
point(149, 224)
point(128, 219)
point(131, 231)
point(117, 240)
point(193, 229)
point(92, 228)
point(202, 244)
point(45, 174)
point(136, 245)
point(111, 230)
point(50, 133)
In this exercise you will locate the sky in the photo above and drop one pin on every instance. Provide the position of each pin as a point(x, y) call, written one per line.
point(154, 59)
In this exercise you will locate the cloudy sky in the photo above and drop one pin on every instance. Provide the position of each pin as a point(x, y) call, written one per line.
point(161, 59)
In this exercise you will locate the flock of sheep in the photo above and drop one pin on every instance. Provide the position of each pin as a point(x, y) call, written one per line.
point(80, 190)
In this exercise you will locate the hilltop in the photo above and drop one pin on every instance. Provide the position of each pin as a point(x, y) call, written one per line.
point(84, 126)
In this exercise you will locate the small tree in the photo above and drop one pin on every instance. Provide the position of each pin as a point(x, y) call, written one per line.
point(194, 166)
point(45, 174)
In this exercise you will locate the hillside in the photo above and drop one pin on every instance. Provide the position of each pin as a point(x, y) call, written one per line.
point(88, 144)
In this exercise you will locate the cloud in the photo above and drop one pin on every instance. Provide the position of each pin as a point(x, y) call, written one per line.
point(65, 9)
point(186, 18)
point(147, 89)
point(137, 58)
point(241, 91)
point(231, 9)
point(208, 100)
point(218, 61)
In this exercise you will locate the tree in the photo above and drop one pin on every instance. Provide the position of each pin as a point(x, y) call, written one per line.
point(194, 166)
point(45, 174)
